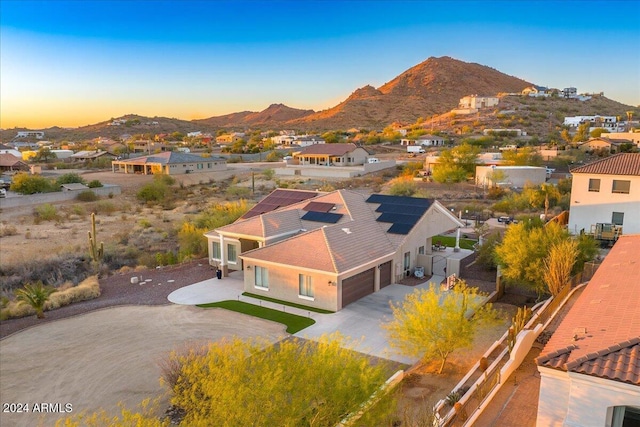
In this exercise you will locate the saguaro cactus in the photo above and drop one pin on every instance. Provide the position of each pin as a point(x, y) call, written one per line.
point(96, 251)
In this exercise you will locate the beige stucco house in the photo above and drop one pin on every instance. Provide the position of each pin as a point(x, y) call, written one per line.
point(590, 368)
point(332, 249)
point(606, 191)
point(346, 154)
point(605, 144)
point(169, 163)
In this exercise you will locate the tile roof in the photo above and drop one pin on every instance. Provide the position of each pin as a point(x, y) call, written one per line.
point(329, 149)
point(618, 164)
point(8, 159)
point(278, 198)
point(600, 336)
point(170, 157)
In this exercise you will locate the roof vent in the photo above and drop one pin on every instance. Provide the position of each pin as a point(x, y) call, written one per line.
point(346, 230)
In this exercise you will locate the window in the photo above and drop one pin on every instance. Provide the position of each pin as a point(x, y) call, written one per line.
point(407, 263)
point(232, 256)
point(620, 186)
point(594, 184)
point(617, 218)
point(623, 416)
point(262, 277)
point(305, 284)
point(421, 250)
point(215, 249)
point(199, 165)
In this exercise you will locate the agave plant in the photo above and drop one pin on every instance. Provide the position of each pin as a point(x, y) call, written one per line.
point(36, 295)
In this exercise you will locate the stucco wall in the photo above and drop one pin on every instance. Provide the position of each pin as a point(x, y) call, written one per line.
point(589, 207)
point(333, 171)
point(59, 196)
point(283, 285)
point(515, 176)
point(571, 399)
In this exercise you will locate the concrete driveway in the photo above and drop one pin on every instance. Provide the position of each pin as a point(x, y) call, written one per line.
point(361, 321)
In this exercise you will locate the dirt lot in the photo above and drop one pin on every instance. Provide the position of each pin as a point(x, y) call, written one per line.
point(108, 356)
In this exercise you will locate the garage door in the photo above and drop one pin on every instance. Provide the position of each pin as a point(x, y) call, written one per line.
point(357, 286)
point(385, 274)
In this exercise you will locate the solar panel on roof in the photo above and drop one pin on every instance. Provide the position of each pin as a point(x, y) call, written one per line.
point(398, 218)
point(411, 210)
point(328, 217)
point(400, 229)
point(398, 200)
point(319, 206)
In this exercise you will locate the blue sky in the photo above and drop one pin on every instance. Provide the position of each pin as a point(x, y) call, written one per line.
point(80, 62)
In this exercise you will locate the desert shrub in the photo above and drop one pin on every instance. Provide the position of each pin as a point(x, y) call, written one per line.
point(24, 183)
point(171, 364)
point(54, 271)
point(273, 157)
point(94, 184)
point(115, 259)
point(239, 192)
point(87, 196)
point(157, 191)
point(8, 230)
point(403, 187)
point(45, 212)
point(144, 223)
point(268, 174)
point(486, 252)
point(78, 210)
point(85, 290)
point(105, 207)
point(69, 178)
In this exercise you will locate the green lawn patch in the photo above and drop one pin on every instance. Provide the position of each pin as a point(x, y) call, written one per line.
point(291, 321)
point(451, 242)
point(287, 303)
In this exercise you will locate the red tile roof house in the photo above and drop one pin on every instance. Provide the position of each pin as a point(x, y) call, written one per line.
point(590, 368)
point(326, 250)
point(606, 191)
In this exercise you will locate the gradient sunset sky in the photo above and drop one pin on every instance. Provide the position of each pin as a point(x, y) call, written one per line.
point(75, 63)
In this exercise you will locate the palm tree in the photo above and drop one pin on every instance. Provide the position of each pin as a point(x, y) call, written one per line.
point(36, 295)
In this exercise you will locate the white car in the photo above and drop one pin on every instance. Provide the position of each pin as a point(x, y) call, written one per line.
point(3, 193)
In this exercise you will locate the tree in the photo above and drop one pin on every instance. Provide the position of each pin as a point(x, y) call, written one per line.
point(525, 246)
point(582, 133)
point(543, 196)
point(433, 324)
point(24, 183)
point(44, 154)
point(523, 157)
point(558, 265)
point(456, 164)
point(496, 176)
point(70, 178)
point(36, 295)
point(596, 133)
point(293, 383)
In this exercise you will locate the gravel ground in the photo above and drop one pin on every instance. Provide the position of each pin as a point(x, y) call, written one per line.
point(117, 290)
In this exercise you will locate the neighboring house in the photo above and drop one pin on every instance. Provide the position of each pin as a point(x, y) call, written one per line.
point(91, 155)
point(148, 146)
point(229, 138)
point(570, 92)
point(331, 250)
point(606, 191)
point(604, 144)
point(425, 140)
point(30, 134)
point(11, 163)
point(475, 102)
point(511, 176)
point(5, 149)
point(307, 140)
point(609, 123)
point(346, 154)
point(590, 368)
point(504, 132)
point(169, 163)
point(536, 91)
point(631, 136)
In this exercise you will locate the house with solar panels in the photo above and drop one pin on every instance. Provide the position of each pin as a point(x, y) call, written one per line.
point(327, 250)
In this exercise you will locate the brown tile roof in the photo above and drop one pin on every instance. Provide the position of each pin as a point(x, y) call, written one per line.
point(278, 198)
point(329, 149)
point(600, 335)
point(618, 164)
point(8, 160)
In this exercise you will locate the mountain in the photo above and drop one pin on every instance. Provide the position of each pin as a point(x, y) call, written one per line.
point(274, 116)
point(431, 87)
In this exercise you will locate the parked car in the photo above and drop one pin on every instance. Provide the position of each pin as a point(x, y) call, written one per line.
point(505, 219)
point(5, 184)
point(3, 193)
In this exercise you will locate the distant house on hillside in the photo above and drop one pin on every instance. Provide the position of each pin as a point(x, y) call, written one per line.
point(91, 155)
point(472, 103)
point(609, 123)
point(536, 91)
point(307, 140)
point(169, 163)
point(229, 138)
point(631, 136)
point(604, 144)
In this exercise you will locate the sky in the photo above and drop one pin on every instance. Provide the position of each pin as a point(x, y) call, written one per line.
point(74, 63)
